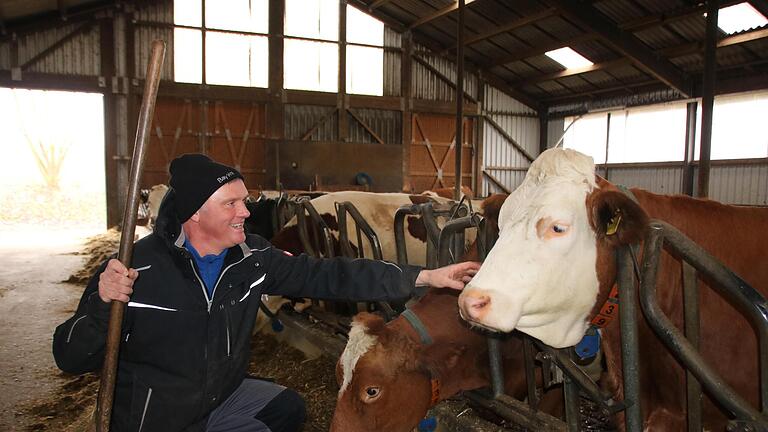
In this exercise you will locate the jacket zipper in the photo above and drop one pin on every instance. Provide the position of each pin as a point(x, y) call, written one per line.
point(202, 284)
point(146, 406)
point(226, 315)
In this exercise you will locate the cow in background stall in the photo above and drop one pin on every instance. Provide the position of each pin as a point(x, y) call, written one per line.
point(378, 209)
point(389, 377)
point(553, 268)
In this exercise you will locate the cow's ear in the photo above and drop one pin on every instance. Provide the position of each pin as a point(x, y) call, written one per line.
point(440, 358)
point(373, 324)
point(615, 217)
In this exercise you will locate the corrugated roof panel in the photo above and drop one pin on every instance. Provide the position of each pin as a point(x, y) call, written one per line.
point(689, 63)
point(520, 69)
point(531, 35)
point(658, 38)
point(594, 50)
point(559, 27)
point(693, 28)
point(628, 73)
point(599, 78)
point(620, 10)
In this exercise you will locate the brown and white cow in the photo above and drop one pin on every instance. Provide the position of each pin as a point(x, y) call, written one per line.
point(389, 378)
point(553, 267)
point(378, 209)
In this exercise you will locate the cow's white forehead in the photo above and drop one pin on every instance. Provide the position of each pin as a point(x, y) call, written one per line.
point(359, 343)
point(553, 168)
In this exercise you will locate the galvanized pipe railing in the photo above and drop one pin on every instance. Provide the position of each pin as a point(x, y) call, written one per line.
point(361, 226)
point(751, 303)
point(313, 245)
point(633, 416)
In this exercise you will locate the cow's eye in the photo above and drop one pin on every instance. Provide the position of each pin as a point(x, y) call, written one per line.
point(372, 393)
point(559, 229)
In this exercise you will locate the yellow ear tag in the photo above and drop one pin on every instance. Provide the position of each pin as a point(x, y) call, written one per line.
point(613, 225)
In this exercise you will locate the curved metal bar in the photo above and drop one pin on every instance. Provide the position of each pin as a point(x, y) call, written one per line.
point(361, 224)
point(730, 285)
point(400, 214)
point(321, 228)
point(448, 232)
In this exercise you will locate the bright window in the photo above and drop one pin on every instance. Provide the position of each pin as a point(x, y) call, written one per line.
point(568, 58)
point(311, 65)
point(739, 127)
point(740, 17)
point(313, 19)
point(237, 57)
point(365, 64)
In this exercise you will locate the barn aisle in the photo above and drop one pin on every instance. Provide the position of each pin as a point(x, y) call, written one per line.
point(34, 259)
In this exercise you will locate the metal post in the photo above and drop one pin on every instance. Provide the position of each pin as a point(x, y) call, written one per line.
point(459, 98)
point(607, 141)
point(633, 419)
point(690, 147)
point(692, 322)
point(708, 97)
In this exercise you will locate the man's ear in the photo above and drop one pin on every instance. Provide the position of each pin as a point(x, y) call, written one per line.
point(615, 217)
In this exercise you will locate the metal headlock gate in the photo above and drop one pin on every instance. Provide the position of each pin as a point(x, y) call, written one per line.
point(751, 303)
point(429, 212)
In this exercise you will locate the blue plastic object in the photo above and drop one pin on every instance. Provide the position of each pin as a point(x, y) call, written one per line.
point(277, 326)
point(589, 345)
point(428, 424)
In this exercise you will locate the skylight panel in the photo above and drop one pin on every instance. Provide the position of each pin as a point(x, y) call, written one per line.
point(740, 17)
point(569, 58)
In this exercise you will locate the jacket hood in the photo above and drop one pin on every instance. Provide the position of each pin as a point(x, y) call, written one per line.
point(167, 225)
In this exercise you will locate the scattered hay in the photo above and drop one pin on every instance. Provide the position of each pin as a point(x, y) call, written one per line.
point(70, 410)
point(97, 249)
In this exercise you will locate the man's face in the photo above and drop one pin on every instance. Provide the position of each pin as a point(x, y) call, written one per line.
point(221, 217)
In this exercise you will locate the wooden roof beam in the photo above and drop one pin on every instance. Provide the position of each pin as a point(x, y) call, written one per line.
point(509, 26)
point(539, 50)
point(651, 21)
point(627, 44)
point(378, 4)
point(434, 15)
point(623, 61)
point(697, 47)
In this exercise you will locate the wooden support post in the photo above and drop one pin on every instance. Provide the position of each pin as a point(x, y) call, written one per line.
point(690, 148)
point(406, 93)
point(275, 106)
point(341, 102)
point(459, 99)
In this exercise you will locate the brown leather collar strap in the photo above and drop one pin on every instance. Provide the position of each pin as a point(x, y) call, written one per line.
point(435, 390)
point(609, 309)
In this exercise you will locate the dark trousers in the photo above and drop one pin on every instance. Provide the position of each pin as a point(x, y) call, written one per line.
point(259, 406)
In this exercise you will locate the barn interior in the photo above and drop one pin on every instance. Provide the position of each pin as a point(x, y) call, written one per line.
point(331, 95)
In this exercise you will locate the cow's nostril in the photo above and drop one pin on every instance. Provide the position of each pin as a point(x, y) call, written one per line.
point(476, 306)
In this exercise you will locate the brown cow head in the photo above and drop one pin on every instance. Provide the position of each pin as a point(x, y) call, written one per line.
point(385, 378)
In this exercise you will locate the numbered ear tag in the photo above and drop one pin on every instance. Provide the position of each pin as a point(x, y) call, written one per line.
point(613, 225)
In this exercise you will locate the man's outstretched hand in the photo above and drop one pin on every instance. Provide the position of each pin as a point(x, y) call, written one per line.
point(451, 276)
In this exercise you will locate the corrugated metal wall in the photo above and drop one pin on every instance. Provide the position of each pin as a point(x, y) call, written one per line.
point(385, 124)
point(739, 184)
point(392, 62)
point(299, 119)
point(144, 36)
point(500, 157)
point(428, 85)
point(661, 180)
point(78, 56)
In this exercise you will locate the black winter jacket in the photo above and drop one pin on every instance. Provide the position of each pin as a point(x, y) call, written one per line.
point(182, 354)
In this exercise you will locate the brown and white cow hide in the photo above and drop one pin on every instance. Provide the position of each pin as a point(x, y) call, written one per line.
point(553, 267)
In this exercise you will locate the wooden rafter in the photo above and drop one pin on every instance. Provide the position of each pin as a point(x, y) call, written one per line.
point(540, 49)
point(511, 25)
point(650, 21)
point(626, 43)
point(434, 15)
point(695, 47)
point(378, 4)
point(623, 61)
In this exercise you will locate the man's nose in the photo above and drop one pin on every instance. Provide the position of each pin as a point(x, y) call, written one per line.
point(243, 211)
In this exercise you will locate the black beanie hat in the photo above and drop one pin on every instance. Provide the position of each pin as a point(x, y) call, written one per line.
point(196, 177)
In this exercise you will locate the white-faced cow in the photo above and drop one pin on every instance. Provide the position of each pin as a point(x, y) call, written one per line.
point(553, 267)
point(389, 375)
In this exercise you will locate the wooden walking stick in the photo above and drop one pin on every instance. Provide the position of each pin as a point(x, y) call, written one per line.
point(125, 253)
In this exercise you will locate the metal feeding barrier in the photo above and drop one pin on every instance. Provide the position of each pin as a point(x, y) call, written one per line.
point(429, 213)
point(314, 233)
point(749, 301)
